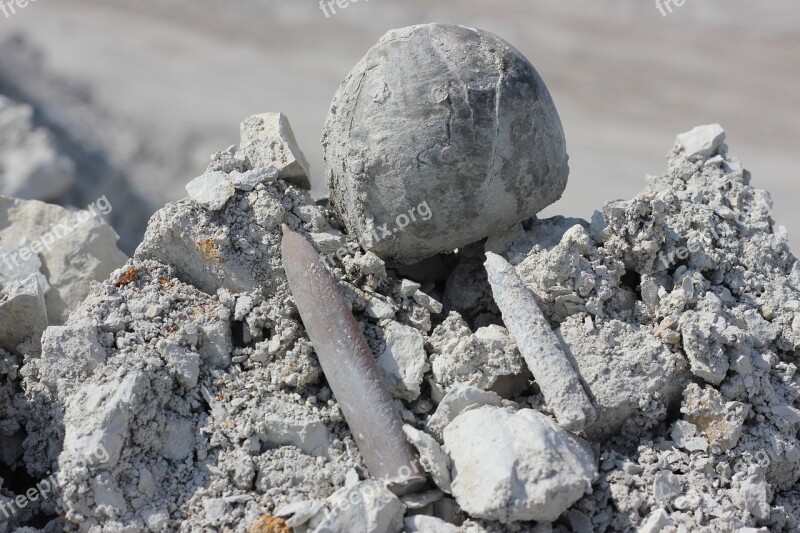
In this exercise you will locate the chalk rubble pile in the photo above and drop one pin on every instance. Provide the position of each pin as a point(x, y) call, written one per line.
point(675, 316)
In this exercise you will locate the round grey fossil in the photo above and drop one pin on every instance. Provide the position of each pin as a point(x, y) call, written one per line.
point(440, 136)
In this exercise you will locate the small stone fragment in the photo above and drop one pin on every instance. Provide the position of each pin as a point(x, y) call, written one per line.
point(431, 456)
point(268, 140)
point(403, 361)
point(429, 524)
point(720, 422)
point(23, 315)
point(460, 398)
point(212, 190)
point(367, 507)
point(516, 466)
point(702, 140)
point(250, 179)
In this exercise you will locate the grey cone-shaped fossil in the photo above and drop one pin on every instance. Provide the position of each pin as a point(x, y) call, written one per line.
point(349, 366)
point(448, 115)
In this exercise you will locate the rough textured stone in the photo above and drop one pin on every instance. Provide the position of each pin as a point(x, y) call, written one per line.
point(75, 248)
point(631, 377)
point(476, 120)
point(212, 190)
point(268, 140)
point(433, 459)
point(23, 315)
point(516, 466)
point(459, 398)
point(702, 140)
point(403, 361)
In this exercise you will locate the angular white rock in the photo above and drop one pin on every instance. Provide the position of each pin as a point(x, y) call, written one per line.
point(367, 507)
point(656, 522)
point(541, 349)
point(285, 424)
point(458, 399)
point(184, 362)
point(23, 315)
point(101, 415)
point(429, 524)
point(247, 181)
point(75, 249)
point(212, 190)
point(268, 140)
point(403, 361)
point(431, 456)
point(516, 466)
point(702, 140)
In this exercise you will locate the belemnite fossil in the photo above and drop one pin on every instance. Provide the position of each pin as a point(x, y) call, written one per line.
point(446, 116)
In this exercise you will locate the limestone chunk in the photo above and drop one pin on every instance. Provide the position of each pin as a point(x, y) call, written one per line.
point(268, 140)
point(516, 466)
point(631, 376)
point(212, 190)
point(23, 315)
point(367, 506)
point(75, 249)
point(719, 421)
point(460, 398)
point(403, 361)
point(432, 458)
point(702, 140)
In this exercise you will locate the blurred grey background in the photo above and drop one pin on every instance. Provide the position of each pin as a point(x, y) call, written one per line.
point(140, 93)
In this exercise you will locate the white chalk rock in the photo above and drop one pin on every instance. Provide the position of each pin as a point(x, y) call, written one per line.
point(247, 181)
point(429, 524)
point(296, 425)
point(184, 362)
point(403, 361)
point(702, 140)
point(74, 346)
point(431, 456)
point(100, 416)
point(459, 399)
point(16, 265)
point(212, 190)
point(716, 419)
point(366, 507)
point(23, 315)
point(268, 140)
point(75, 249)
point(516, 466)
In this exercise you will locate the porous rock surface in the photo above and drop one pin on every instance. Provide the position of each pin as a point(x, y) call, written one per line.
point(679, 309)
point(474, 133)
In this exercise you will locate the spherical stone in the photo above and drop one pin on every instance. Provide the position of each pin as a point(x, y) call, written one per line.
point(439, 137)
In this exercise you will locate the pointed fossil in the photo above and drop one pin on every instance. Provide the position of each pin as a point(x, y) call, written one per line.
point(560, 383)
point(349, 365)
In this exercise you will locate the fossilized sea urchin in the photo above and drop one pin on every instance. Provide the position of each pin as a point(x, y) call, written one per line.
point(448, 115)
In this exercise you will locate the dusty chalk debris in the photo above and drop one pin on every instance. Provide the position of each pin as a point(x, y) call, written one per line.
point(635, 371)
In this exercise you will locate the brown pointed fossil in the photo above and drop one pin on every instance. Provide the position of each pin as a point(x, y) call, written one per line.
point(349, 365)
